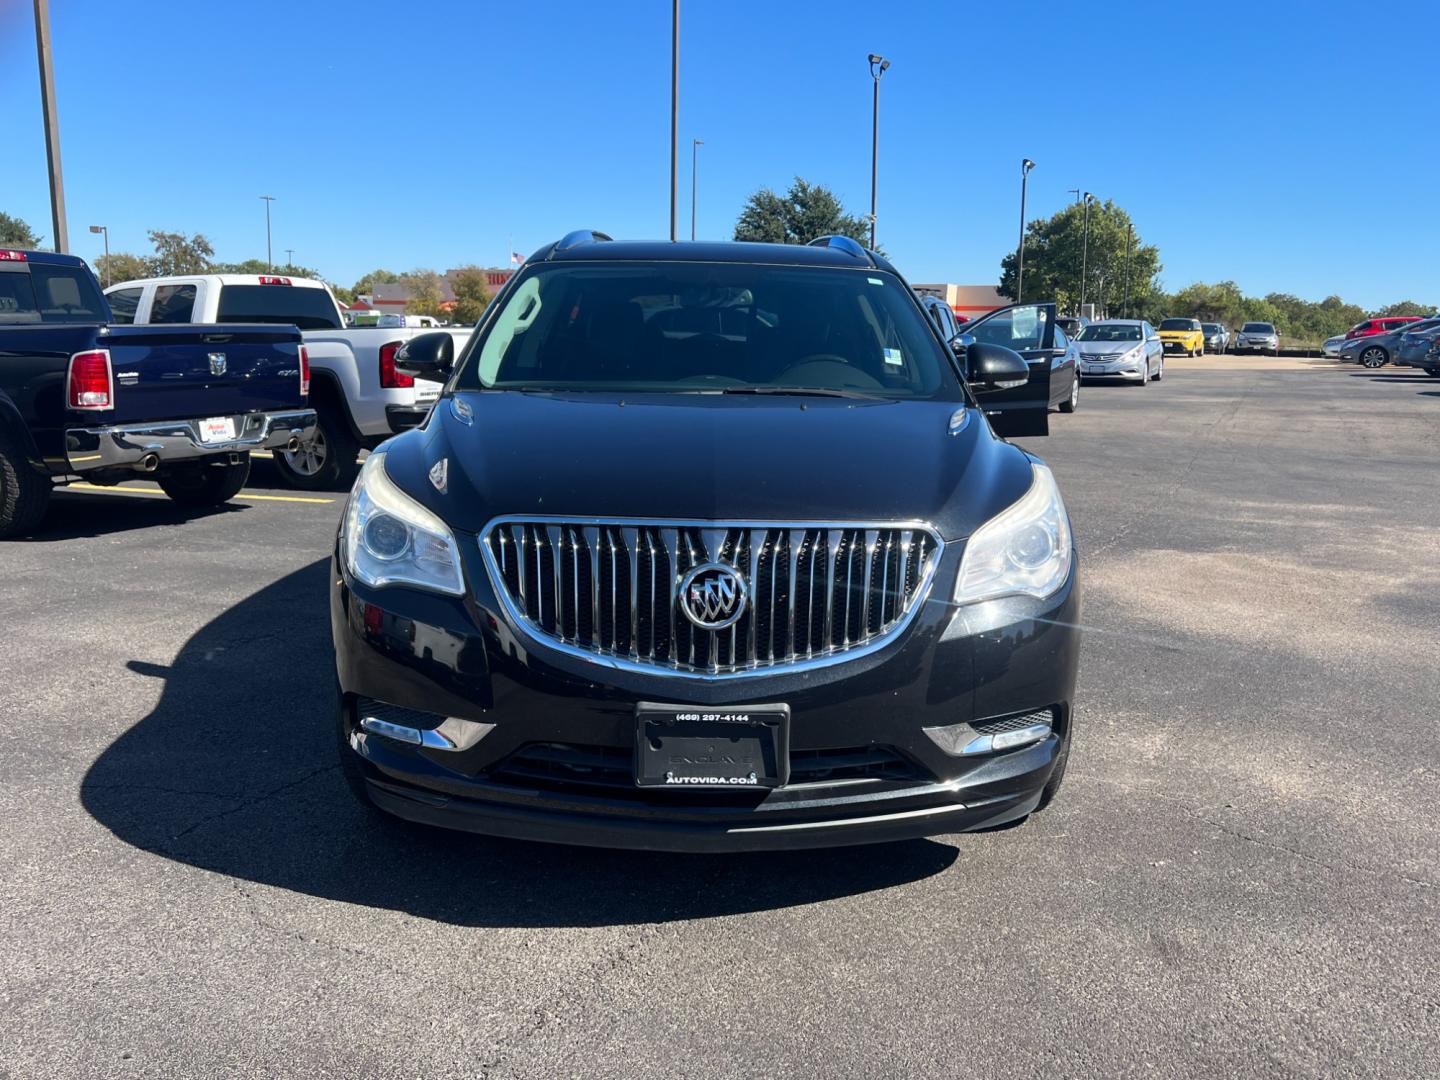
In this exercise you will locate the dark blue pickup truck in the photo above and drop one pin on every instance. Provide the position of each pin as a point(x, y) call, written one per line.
point(183, 405)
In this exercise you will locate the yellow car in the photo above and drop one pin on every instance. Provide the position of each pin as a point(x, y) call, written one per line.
point(1182, 336)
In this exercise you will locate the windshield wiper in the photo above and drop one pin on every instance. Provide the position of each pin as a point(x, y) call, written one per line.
point(802, 391)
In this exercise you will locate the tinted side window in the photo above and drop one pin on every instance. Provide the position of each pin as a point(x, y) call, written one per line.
point(173, 304)
point(123, 303)
point(1061, 341)
point(1019, 328)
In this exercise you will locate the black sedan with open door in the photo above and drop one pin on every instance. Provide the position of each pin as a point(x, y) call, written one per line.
point(711, 547)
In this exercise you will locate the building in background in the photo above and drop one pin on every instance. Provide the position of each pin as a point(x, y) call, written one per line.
point(391, 299)
point(966, 301)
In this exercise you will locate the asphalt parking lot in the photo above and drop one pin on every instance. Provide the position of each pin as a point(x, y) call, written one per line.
point(1239, 878)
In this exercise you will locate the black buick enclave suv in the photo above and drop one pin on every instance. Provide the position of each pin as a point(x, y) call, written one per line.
point(709, 547)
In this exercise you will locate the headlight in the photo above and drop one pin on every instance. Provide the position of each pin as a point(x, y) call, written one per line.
point(390, 539)
point(1025, 550)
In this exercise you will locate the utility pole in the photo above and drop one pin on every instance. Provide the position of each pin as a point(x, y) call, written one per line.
point(105, 229)
point(878, 66)
point(52, 125)
point(1085, 252)
point(1025, 166)
point(1074, 191)
point(289, 256)
point(1129, 241)
point(269, 262)
point(695, 144)
point(674, 113)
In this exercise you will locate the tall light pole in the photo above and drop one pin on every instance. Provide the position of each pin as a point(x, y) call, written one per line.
point(1025, 166)
point(105, 229)
point(674, 114)
point(269, 262)
point(878, 66)
point(1085, 252)
point(695, 145)
point(1129, 241)
point(1074, 191)
point(52, 125)
point(289, 256)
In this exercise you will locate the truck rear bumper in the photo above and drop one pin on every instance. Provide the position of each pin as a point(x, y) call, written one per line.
point(122, 445)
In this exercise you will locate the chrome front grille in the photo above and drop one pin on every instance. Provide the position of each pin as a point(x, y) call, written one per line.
point(608, 589)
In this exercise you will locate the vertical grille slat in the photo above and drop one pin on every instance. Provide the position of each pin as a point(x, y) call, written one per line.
point(610, 587)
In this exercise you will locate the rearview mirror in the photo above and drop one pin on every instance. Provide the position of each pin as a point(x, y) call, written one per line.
point(431, 356)
point(994, 367)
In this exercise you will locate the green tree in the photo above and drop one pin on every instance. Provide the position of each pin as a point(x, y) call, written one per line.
point(424, 289)
point(1053, 256)
point(121, 266)
point(16, 233)
point(797, 217)
point(176, 253)
point(1405, 307)
point(471, 295)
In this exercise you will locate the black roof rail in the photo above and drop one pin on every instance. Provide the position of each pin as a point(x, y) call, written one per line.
point(842, 243)
point(580, 236)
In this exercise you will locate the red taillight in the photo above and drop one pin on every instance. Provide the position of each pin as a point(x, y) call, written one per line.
point(91, 386)
point(304, 371)
point(274, 280)
point(12, 256)
point(390, 378)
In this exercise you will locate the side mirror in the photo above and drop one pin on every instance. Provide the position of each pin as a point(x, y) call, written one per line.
point(994, 367)
point(961, 342)
point(431, 356)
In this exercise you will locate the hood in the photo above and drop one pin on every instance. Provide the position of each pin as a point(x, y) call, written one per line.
point(1090, 348)
point(709, 457)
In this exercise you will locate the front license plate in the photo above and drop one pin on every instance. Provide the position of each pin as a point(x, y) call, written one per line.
point(218, 429)
point(681, 746)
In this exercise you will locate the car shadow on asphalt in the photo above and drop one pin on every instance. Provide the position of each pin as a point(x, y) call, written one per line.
point(78, 514)
point(234, 771)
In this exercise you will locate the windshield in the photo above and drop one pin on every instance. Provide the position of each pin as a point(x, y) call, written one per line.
point(301, 306)
point(1178, 324)
point(50, 294)
point(1257, 328)
point(670, 327)
point(1211, 327)
point(1109, 332)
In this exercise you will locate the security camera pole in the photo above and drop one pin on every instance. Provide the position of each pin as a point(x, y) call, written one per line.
point(52, 125)
point(1085, 252)
point(1025, 166)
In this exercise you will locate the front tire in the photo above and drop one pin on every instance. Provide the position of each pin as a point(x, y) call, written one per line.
point(1070, 404)
point(328, 462)
point(24, 493)
point(205, 485)
point(1374, 358)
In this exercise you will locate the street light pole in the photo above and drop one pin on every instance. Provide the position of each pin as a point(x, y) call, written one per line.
point(105, 229)
point(695, 145)
point(1025, 166)
point(52, 125)
point(289, 256)
point(1074, 191)
point(878, 66)
point(1085, 252)
point(674, 114)
point(269, 262)
point(1129, 241)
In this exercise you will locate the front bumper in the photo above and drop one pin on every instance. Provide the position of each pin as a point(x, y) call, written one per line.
point(122, 445)
point(1113, 369)
point(1173, 345)
point(496, 697)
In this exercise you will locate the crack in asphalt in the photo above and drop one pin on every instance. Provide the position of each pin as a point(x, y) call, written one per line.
point(255, 801)
point(1199, 814)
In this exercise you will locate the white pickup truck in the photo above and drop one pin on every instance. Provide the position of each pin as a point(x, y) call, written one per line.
point(358, 395)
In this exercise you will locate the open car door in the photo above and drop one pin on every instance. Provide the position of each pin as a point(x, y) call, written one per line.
point(1029, 329)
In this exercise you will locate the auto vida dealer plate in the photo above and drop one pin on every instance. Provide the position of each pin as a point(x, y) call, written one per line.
point(687, 746)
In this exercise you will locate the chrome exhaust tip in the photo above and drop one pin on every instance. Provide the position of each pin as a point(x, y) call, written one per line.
point(149, 463)
point(293, 444)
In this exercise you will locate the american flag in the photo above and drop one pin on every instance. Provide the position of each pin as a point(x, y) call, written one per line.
point(516, 258)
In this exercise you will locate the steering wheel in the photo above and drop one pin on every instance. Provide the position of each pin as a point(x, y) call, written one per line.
point(828, 369)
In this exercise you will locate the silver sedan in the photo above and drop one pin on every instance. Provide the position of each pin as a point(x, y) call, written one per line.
point(1122, 349)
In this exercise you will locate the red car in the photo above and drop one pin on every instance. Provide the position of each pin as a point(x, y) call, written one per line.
point(1379, 326)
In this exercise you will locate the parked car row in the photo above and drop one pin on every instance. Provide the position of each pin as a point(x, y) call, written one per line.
point(1409, 342)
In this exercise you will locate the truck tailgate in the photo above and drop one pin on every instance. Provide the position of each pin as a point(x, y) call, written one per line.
point(184, 371)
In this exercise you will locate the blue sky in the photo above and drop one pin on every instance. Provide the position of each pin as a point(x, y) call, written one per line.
point(1250, 141)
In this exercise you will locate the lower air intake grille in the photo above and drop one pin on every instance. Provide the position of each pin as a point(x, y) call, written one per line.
point(1012, 723)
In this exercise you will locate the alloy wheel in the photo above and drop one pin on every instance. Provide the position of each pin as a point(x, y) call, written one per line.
point(310, 457)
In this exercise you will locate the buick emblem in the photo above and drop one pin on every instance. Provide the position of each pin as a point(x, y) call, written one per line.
point(713, 595)
point(217, 363)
